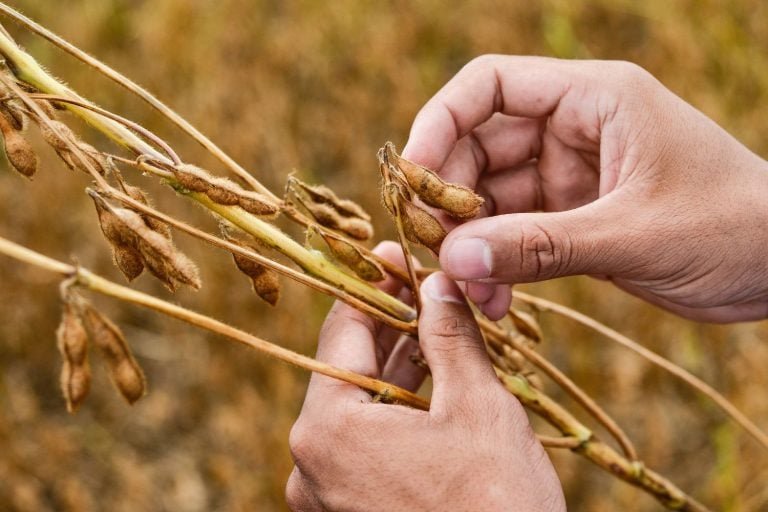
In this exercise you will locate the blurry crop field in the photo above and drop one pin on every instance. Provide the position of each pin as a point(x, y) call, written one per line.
point(317, 87)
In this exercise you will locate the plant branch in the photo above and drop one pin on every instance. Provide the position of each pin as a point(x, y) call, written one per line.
point(142, 93)
point(106, 113)
point(598, 452)
point(562, 380)
point(413, 279)
point(98, 284)
point(308, 280)
point(679, 372)
point(312, 262)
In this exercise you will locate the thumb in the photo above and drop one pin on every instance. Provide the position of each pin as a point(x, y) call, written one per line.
point(451, 342)
point(528, 247)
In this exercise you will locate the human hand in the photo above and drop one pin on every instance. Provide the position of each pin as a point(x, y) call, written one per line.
point(629, 183)
point(473, 450)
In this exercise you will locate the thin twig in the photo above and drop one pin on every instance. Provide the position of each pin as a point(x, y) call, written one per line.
point(312, 282)
point(595, 450)
point(412, 277)
point(141, 93)
point(568, 442)
point(43, 118)
point(98, 284)
point(562, 380)
point(313, 263)
point(677, 371)
point(106, 113)
point(302, 220)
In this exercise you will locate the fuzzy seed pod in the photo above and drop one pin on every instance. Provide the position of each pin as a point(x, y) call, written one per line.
point(323, 194)
point(72, 342)
point(515, 359)
point(386, 200)
point(355, 227)
point(127, 258)
point(125, 372)
point(154, 224)
point(127, 231)
point(256, 204)
point(456, 200)
point(49, 108)
point(160, 256)
point(128, 261)
point(421, 227)
point(61, 138)
point(15, 116)
point(93, 156)
point(362, 265)
point(265, 281)
point(18, 150)
point(267, 286)
point(57, 135)
point(115, 231)
point(193, 178)
point(222, 191)
point(526, 325)
point(330, 211)
point(21, 155)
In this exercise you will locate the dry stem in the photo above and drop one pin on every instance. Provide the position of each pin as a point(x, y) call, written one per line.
point(91, 281)
point(312, 262)
point(138, 91)
point(677, 371)
point(308, 280)
point(581, 397)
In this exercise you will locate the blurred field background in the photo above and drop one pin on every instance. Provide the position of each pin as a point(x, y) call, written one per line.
point(318, 87)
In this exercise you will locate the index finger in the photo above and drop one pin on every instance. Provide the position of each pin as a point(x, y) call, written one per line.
point(517, 86)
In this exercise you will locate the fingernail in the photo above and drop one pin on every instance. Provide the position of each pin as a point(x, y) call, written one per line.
point(439, 288)
point(468, 258)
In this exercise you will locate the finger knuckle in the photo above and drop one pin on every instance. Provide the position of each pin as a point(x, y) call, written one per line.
point(293, 495)
point(542, 255)
point(453, 327)
point(301, 442)
point(626, 72)
point(482, 62)
point(631, 81)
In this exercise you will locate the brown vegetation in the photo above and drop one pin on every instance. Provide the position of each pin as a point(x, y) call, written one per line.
point(287, 86)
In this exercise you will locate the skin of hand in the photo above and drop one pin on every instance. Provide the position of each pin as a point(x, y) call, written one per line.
point(594, 167)
point(473, 450)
